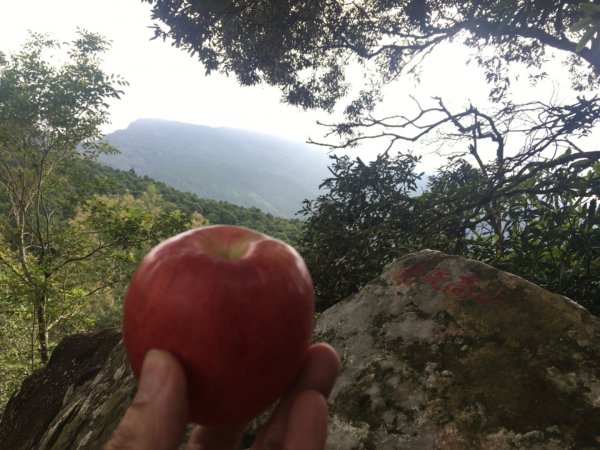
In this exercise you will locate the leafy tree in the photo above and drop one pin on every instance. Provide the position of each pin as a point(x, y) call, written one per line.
point(361, 223)
point(109, 236)
point(96, 253)
point(47, 109)
point(549, 237)
point(305, 48)
point(15, 332)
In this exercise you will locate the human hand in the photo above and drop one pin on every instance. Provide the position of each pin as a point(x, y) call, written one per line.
point(157, 416)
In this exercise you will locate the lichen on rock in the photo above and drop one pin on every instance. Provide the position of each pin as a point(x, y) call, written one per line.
point(450, 353)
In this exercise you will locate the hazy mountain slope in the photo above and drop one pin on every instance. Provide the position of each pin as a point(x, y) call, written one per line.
point(242, 167)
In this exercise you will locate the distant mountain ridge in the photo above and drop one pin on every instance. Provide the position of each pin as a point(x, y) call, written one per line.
point(242, 167)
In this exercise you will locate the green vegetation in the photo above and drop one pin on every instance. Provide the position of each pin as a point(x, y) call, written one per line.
point(71, 230)
point(113, 181)
point(305, 47)
point(545, 229)
point(47, 110)
point(519, 191)
point(361, 223)
point(121, 216)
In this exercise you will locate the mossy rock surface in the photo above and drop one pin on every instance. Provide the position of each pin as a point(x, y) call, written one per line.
point(441, 352)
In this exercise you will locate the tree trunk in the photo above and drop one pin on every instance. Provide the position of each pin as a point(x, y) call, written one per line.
point(42, 329)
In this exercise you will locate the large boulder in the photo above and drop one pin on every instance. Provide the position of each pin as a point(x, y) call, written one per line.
point(438, 352)
point(444, 352)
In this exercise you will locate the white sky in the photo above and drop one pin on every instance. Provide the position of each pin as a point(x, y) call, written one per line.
point(167, 83)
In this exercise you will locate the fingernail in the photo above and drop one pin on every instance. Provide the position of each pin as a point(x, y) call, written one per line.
point(154, 373)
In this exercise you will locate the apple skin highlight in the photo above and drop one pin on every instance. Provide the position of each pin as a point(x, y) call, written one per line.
point(234, 306)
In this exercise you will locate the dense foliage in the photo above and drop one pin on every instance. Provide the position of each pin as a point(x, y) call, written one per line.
point(71, 230)
point(46, 110)
point(305, 46)
point(373, 213)
point(360, 224)
point(113, 181)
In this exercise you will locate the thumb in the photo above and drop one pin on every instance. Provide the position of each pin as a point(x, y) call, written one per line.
point(157, 416)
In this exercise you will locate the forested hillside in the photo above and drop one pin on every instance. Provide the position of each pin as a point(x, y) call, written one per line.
point(119, 182)
point(107, 220)
point(87, 176)
point(242, 167)
point(72, 231)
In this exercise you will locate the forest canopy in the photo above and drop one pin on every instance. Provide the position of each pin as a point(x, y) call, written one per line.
point(305, 46)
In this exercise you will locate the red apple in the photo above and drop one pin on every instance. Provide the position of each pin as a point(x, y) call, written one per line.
point(234, 306)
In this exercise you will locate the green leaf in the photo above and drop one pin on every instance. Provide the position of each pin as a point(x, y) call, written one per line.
point(588, 35)
point(589, 8)
point(581, 24)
